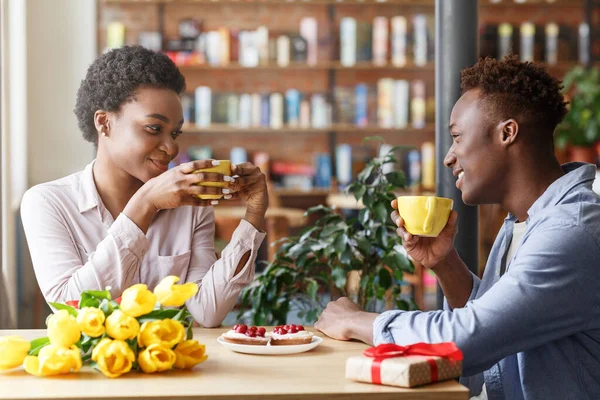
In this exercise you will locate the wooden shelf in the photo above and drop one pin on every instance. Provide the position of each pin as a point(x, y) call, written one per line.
point(532, 3)
point(335, 65)
point(423, 3)
point(338, 128)
point(289, 192)
point(426, 3)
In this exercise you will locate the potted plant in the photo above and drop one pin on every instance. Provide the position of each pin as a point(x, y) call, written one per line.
point(580, 129)
point(321, 259)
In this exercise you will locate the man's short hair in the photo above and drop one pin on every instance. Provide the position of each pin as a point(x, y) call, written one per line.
point(520, 90)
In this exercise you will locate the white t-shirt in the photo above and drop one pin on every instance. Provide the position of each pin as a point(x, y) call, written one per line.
point(519, 229)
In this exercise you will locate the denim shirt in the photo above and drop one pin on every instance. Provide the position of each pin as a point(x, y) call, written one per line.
point(530, 330)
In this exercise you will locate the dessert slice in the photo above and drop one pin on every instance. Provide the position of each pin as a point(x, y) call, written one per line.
point(242, 334)
point(289, 335)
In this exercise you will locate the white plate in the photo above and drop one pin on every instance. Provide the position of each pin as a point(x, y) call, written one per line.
point(271, 350)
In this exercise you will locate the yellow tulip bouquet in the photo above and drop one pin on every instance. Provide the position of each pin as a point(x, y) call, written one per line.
point(145, 330)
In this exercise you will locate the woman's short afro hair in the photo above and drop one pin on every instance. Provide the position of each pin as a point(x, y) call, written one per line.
point(113, 78)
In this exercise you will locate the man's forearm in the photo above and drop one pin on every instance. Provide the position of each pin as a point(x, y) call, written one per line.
point(361, 327)
point(455, 280)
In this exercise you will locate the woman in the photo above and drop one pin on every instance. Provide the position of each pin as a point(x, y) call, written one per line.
point(126, 218)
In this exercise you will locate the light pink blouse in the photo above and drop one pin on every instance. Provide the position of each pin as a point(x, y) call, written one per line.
point(76, 245)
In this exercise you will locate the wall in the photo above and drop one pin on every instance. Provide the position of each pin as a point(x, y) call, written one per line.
point(50, 46)
point(61, 44)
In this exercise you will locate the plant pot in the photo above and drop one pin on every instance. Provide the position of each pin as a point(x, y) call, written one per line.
point(583, 154)
point(598, 151)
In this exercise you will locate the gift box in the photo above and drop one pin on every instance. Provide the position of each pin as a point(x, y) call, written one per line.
point(406, 366)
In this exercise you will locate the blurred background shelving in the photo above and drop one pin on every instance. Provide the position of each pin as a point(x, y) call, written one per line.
point(326, 152)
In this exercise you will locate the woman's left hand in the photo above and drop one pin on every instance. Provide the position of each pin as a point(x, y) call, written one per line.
point(250, 185)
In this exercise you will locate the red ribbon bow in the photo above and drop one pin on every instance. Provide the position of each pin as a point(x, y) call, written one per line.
point(447, 350)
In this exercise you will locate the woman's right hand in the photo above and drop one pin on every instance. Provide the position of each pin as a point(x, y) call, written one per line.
point(179, 186)
point(427, 251)
point(171, 189)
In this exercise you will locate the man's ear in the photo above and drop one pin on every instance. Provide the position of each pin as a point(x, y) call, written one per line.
point(509, 130)
point(102, 122)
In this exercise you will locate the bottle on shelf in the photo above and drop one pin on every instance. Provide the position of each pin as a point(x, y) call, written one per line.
point(283, 51)
point(551, 48)
point(398, 41)
point(428, 165)
point(418, 104)
point(261, 36)
point(292, 106)
point(420, 40)
point(308, 30)
point(380, 41)
point(276, 111)
point(401, 104)
point(361, 93)
point(348, 41)
point(527, 35)
point(505, 39)
point(584, 43)
point(203, 106)
point(385, 99)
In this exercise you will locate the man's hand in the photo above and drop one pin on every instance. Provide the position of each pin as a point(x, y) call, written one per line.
point(344, 320)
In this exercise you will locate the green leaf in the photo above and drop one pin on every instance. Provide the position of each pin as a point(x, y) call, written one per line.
point(93, 298)
point(133, 345)
point(329, 230)
point(381, 212)
point(108, 306)
point(189, 334)
point(37, 344)
point(398, 275)
point(385, 279)
point(340, 243)
point(60, 306)
point(396, 178)
point(99, 294)
point(346, 257)
point(382, 237)
point(312, 288)
point(401, 147)
point(364, 216)
point(181, 315)
point(158, 314)
point(318, 208)
point(365, 174)
point(402, 304)
point(373, 138)
point(363, 244)
point(369, 198)
point(360, 191)
point(309, 232)
point(339, 276)
point(380, 292)
point(396, 260)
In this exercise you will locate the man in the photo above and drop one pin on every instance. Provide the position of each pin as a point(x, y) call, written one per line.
point(530, 329)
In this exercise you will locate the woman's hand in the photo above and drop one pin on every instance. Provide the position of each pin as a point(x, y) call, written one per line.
point(427, 251)
point(171, 189)
point(179, 186)
point(250, 185)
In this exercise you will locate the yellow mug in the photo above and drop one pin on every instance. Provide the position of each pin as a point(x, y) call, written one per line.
point(223, 168)
point(424, 215)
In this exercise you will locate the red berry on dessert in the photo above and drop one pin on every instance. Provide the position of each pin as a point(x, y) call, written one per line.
point(290, 334)
point(241, 334)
